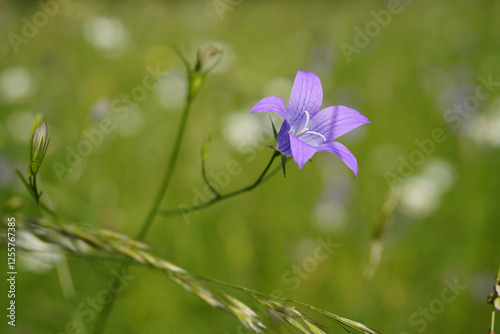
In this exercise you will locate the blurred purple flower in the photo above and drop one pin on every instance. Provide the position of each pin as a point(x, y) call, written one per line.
point(307, 129)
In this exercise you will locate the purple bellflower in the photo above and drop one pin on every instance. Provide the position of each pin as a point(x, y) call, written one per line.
point(307, 129)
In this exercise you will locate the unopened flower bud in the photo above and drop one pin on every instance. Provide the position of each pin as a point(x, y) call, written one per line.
point(195, 84)
point(39, 145)
point(207, 59)
point(205, 148)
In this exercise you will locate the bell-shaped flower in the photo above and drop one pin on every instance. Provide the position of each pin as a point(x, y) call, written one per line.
point(306, 129)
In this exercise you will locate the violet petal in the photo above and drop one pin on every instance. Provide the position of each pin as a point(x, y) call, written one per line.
point(307, 95)
point(271, 104)
point(333, 122)
point(344, 154)
point(301, 151)
point(283, 139)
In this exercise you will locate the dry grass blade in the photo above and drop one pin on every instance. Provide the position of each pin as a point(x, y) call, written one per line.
point(296, 325)
point(347, 322)
point(314, 327)
point(118, 247)
point(245, 314)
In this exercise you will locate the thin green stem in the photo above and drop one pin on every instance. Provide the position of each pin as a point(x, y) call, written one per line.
point(492, 322)
point(262, 178)
point(169, 172)
point(258, 181)
point(167, 177)
point(209, 185)
point(31, 187)
point(69, 291)
point(48, 210)
point(35, 189)
point(204, 170)
point(37, 196)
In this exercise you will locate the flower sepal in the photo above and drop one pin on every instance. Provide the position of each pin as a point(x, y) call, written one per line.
point(284, 158)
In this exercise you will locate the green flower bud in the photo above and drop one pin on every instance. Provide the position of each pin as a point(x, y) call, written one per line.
point(206, 60)
point(195, 84)
point(205, 148)
point(39, 144)
point(210, 54)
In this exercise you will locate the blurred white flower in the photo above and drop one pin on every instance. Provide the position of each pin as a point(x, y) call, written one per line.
point(107, 34)
point(441, 173)
point(330, 216)
point(485, 129)
point(172, 90)
point(419, 196)
point(130, 125)
point(100, 109)
point(16, 84)
point(242, 128)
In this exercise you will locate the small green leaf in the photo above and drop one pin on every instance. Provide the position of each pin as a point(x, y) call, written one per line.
point(274, 129)
point(283, 163)
point(205, 148)
point(28, 186)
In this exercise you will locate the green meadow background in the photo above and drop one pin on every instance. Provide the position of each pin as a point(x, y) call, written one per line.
point(397, 252)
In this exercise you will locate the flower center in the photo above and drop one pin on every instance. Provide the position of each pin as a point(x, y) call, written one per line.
point(304, 129)
point(300, 126)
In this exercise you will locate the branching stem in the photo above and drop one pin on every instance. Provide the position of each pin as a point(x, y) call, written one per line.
point(220, 197)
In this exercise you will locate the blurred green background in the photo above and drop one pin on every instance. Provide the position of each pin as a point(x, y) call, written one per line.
point(445, 224)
